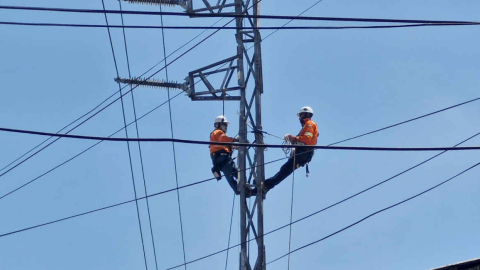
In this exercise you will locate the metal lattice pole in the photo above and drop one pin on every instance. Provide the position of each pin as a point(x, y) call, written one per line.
point(248, 68)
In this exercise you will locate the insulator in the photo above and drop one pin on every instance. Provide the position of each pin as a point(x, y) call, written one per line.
point(159, 2)
point(152, 83)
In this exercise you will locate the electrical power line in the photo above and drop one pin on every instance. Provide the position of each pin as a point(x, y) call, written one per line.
point(125, 202)
point(87, 149)
point(105, 100)
point(230, 15)
point(71, 123)
point(173, 144)
point(356, 148)
point(330, 206)
point(230, 231)
point(126, 135)
point(210, 179)
point(108, 105)
point(232, 27)
point(376, 213)
point(139, 145)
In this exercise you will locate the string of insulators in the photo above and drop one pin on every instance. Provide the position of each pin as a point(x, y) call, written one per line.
point(159, 2)
point(152, 83)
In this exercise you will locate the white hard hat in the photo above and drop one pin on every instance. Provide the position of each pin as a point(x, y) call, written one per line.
point(305, 109)
point(221, 119)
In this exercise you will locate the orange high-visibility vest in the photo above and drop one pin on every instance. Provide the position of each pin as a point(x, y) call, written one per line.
point(309, 133)
point(219, 136)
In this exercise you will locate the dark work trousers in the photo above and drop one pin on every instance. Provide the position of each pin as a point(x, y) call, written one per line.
point(224, 162)
point(303, 156)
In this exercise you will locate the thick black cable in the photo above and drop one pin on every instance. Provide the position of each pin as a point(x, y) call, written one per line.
point(138, 143)
point(335, 204)
point(232, 15)
point(115, 100)
point(58, 132)
point(79, 154)
point(173, 144)
point(356, 148)
point(375, 213)
point(276, 28)
point(128, 143)
point(213, 33)
point(179, 48)
point(108, 105)
point(204, 181)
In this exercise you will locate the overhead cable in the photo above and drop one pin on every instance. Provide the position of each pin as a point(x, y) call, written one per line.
point(126, 135)
point(108, 105)
point(231, 15)
point(374, 214)
point(123, 203)
point(82, 152)
point(332, 205)
point(173, 144)
point(145, 189)
point(233, 28)
point(105, 100)
point(357, 148)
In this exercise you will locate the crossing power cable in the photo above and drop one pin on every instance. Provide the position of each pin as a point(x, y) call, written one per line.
point(231, 15)
point(144, 115)
point(108, 105)
point(87, 149)
point(71, 123)
point(84, 151)
point(152, 238)
point(332, 205)
point(375, 213)
point(230, 231)
point(125, 202)
point(204, 181)
point(232, 27)
point(173, 144)
point(63, 163)
point(126, 136)
point(356, 148)
point(112, 95)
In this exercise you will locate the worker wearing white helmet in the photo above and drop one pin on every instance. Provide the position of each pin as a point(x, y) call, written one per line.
point(222, 155)
point(301, 156)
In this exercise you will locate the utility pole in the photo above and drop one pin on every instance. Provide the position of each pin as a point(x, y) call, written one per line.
point(249, 91)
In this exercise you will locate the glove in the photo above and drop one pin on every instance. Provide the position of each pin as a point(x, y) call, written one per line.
point(236, 139)
point(289, 137)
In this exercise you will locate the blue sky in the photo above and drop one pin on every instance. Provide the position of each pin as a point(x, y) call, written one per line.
point(355, 80)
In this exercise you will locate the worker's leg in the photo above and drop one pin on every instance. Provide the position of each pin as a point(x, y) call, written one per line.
point(230, 173)
point(284, 172)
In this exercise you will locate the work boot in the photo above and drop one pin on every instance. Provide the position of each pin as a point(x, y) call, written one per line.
point(248, 192)
point(253, 192)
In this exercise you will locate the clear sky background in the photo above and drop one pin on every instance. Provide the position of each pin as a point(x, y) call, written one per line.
point(355, 80)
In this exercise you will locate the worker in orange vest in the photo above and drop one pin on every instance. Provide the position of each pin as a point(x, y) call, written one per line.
point(300, 156)
point(222, 155)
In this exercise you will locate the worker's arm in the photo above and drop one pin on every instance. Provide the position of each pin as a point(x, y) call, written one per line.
point(308, 134)
point(225, 138)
